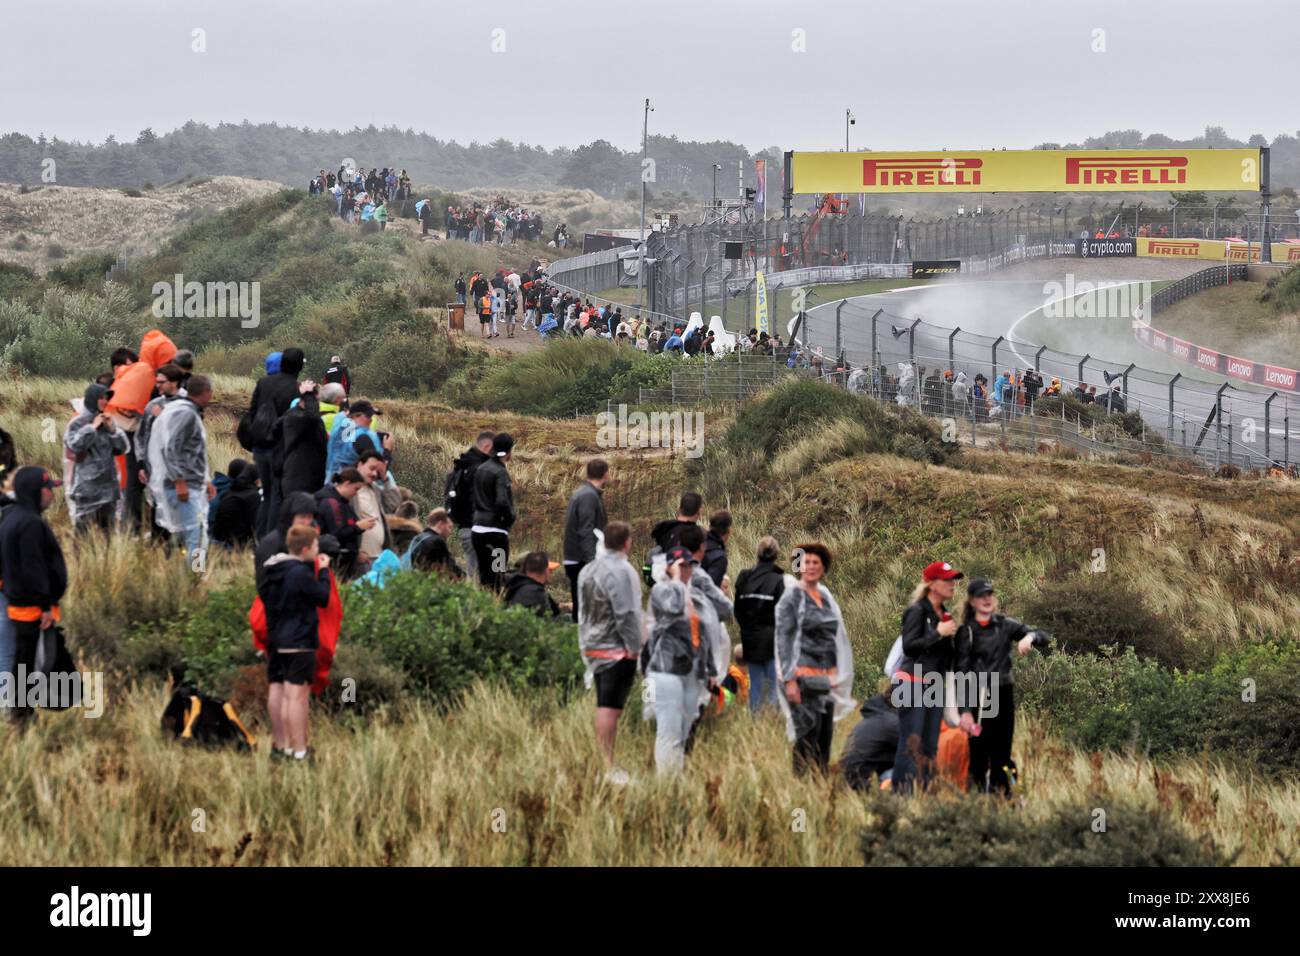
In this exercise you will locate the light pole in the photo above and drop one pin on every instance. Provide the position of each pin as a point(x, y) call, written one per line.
point(849, 120)
point(640, 269)
point(716, 167)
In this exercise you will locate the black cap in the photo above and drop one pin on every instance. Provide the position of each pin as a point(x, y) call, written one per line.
point(363, 407)
point(502, 444)
point(979, 587)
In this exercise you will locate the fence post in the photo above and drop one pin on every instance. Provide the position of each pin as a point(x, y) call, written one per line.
point(994, 376)
point(838, 337)
point(1172, 382)
point(911, 343)
point(1081, 364)
point(873, 333)
point(1267, 417)
point(1038, 357)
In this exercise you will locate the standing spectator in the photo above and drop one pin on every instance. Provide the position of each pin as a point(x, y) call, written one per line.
point(338, 372)
point(682, 667)
point(610, 635)
point(758, 589)
point(351, 437)
point(460, 287)
point(178, 467)
point(93, 441)
point(494, 513)
point(369, 503)
point(336, 517)
point(983, 651)
point(296, 509)
point(666, 533)
point(715, 546)
point(459, 496)
point(32, 569)
point(298, 584)
point(813, 660)
point(584, 517)
point(167, 382)
point(527, 586)
point(7, 474)
point(304, 444)
point(272, 396)
point(928, 654)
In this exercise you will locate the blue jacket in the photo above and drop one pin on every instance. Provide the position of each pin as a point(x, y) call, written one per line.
point(342, 452)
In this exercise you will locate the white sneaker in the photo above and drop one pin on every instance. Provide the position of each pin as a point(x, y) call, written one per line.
point(617, 777)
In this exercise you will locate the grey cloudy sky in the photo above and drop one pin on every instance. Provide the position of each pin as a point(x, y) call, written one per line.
point(920, 74)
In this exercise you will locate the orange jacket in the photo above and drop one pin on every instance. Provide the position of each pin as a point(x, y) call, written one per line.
point(133, 383)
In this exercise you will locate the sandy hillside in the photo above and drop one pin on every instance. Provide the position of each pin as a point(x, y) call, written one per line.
point(50, 224)
point(583, 209)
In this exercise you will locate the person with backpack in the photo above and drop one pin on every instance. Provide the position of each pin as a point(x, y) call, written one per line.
point(715, 546)
point(758, 589)
point(682, 663)
point(484, 303)
point(814, 661)
point(429, 551)
point(610, 635)
point(33, 574)
point(272, 396)
point(527, 586)
point(94, 440)
point(584, 517)
point(983, 652)
point(458, 496)
point(494, 514)
point(927, 648)
point(297, 584)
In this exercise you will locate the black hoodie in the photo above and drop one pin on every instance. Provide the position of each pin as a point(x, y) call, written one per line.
point(279, 389)
point(871, 749)
point(272, 543)
point(305, 447)
point(236, 519)
point(523, 591)
point(665, 532)
point(31, 561)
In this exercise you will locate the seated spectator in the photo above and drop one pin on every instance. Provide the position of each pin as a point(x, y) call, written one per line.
point(235, 523)
point(429, 551)
point(527, 586)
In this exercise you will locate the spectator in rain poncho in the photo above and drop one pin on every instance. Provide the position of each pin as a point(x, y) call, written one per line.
point(93, 440)
point(906, 395)
point(814, 662)
point(179, 480)
point(960, 390)
point(858, 380)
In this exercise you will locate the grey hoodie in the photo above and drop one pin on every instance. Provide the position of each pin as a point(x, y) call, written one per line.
point(94, 474)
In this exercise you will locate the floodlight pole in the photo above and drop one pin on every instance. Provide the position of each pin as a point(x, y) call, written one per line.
point(640, 271)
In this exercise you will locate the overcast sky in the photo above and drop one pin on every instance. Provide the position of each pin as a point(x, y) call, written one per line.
point(919, 74)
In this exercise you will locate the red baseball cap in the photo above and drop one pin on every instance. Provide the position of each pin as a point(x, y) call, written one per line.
point(941, 571)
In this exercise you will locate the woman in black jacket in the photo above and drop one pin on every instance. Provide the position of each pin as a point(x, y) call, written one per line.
point(927, 635)
point(983, 652)
point(757, 591)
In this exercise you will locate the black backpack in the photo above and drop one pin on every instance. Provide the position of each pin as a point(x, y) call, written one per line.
point(194, 717)
point(459, 495)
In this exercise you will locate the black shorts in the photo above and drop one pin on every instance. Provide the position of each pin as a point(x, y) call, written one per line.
point(614, 683)
point(291, 667)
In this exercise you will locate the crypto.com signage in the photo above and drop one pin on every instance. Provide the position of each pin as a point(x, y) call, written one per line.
point(1032, 170)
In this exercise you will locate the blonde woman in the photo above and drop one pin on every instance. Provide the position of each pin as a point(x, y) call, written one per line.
point(927, 646)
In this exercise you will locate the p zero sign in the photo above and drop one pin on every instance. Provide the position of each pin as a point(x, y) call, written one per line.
point(1032, 170)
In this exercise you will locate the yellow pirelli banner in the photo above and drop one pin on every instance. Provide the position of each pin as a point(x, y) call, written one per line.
point(1031, 170)
point(1215, 249)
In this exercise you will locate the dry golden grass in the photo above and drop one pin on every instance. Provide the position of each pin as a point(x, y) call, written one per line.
point(508, 781)
point(84, 219)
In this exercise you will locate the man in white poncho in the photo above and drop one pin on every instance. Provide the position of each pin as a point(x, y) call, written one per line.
point(179, 480)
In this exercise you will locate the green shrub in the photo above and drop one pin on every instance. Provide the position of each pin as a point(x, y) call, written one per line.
point(69, 334)
point(55, 251)
point(976, 831)
point(443, 636)
point(1090, 611)
point(1119, 701)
